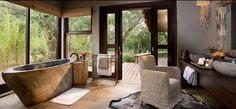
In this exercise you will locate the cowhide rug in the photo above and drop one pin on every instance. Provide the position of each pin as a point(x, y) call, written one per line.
point(133, 101)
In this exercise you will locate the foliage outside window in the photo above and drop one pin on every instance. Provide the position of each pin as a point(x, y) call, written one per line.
point(42, 37)
point(111, 51)
point(12, 35)
point(162, 57)
point(137, 39)
point(82, 23)
point(162, 38)
point(111, 28)
point(135, 35)
point(81, 42)
point(80, 36)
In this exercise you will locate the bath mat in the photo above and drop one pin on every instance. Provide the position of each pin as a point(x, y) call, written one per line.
point(132, 101)
point(70, 96)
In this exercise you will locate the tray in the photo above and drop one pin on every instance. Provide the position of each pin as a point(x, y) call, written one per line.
point(201, 66)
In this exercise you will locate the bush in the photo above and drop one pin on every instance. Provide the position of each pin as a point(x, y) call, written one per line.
point(128, 58)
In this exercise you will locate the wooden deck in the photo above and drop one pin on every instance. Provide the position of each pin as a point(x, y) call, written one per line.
point(130, 71)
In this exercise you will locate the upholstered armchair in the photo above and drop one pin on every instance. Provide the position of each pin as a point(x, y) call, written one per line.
point(160, 86)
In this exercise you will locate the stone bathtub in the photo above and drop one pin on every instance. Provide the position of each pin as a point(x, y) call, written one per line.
point(36, 83)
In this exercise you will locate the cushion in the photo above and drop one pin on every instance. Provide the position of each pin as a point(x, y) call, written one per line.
point(147, 62)
point(174, 87)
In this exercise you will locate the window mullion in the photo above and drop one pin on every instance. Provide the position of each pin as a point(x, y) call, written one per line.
point(27, 35)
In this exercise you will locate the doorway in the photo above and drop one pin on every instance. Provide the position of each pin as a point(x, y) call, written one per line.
point(140, 29)
point(136, 41)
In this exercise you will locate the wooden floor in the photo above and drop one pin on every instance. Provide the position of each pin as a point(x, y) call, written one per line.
point(130, 71)
point(100, 94)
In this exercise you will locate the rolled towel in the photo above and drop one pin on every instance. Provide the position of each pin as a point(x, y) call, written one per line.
point(190, 76)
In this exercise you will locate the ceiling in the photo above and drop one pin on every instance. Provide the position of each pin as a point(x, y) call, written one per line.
point(65, 8)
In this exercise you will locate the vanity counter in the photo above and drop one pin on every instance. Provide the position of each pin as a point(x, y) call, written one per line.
point(220, 86)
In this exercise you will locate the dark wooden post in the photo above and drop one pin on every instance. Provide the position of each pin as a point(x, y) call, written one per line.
point(66, 29)
point(59, 38)
point(27, 53)
point(154, 29)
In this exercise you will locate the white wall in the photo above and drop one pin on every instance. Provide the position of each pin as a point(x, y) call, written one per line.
point(95, 29)
point(190, 35)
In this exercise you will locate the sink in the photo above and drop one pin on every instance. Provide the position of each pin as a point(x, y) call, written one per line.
point(225, 67)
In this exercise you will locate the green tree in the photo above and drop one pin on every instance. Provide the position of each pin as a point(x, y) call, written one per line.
point(80, 42)
point(12, 35)
point(42, 37)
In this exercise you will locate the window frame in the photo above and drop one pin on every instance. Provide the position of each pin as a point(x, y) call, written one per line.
point(58, 25)
point(79, 32)
point(67, 33)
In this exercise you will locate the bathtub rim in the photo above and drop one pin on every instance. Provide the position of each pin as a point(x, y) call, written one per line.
point(12, 71)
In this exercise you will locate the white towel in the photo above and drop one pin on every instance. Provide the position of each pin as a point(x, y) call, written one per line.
point(102, 71)
point(190, 76)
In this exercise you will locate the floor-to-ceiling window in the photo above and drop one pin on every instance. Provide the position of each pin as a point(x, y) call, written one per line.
point(15, 41)
point(42, 37)
point(80, 36)
point(12, 35)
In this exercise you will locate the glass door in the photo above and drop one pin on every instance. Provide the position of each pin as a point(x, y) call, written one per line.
point(110, 40)
point(162, 37)
point(159, 22)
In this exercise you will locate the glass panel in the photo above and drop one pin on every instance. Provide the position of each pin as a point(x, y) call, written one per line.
point(162, 23)
point(111, 51)
point(12, 36)
point(162, 57)
point(135, 34)
point(42, 37)
point(111, 28)
point(81, 23)
point(81, 43)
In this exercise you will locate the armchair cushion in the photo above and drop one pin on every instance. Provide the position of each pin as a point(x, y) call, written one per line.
point(173, 72)
point(150, 79)
point(158, 89)
point(147, 62)
point(174, 89)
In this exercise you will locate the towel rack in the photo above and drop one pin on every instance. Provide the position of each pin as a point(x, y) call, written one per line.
point(94, 70)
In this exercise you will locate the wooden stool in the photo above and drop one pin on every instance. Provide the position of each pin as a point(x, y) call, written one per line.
point(80, 73)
